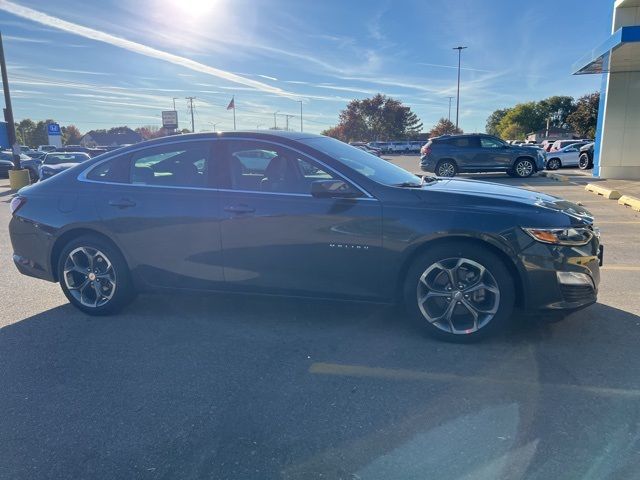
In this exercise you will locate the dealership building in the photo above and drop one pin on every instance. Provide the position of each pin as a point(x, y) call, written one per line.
point(617, 147)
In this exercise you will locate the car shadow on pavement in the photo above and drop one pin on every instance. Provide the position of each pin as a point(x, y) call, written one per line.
point(247, 387)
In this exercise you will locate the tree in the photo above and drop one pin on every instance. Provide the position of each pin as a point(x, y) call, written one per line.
point(24, 131)
point(494, 120)
point(376, 118)
point(513, 131)
point(71, 135)
point(528, 116)
point(149, 132)
point(443, 127)
point(40, 135)
point(556, 109)
point(584, 118)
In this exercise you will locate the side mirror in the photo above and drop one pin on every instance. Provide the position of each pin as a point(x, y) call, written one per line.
point(332, 189)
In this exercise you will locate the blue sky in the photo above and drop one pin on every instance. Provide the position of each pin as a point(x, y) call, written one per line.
point(97, 64)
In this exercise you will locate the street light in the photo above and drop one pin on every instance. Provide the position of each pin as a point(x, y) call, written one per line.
point(275, 122)
point(450, 98)
point(458, 99)
point(214, 125)
point(300, 102)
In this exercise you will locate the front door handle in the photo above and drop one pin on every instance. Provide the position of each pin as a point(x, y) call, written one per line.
point(239, 209)
point(122, 203)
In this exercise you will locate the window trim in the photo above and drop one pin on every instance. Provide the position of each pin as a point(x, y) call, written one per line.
point(367, 196)
point(82, 176)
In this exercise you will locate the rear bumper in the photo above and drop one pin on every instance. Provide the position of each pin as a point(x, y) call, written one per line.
point(31, 249)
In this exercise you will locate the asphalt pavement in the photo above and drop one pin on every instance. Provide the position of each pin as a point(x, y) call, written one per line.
point(237, 387)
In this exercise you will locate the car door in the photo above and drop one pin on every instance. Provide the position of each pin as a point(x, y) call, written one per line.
point(494, 155)
point(158, 205)
point(570, 156)
point(465, 151)
point(277, 237)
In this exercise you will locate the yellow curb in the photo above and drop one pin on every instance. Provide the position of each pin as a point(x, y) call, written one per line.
point(629, 201)
point(604, 192)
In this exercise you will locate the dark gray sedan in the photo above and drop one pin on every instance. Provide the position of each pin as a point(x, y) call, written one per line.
point(304, 215)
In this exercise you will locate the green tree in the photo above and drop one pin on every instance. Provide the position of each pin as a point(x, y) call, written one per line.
point(584, 118)
point(556, 109)
point(24, 131)
point(376, 118)
point(528, 116)
point(513, 131)
point(443, 127)
point(71, 135)
point(40, 135)
point(494, 121)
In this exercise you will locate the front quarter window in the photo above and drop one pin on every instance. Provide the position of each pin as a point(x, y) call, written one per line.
point(364, 163)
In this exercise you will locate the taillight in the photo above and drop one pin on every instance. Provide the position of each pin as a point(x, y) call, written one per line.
point(16, 203)
point(425, 150)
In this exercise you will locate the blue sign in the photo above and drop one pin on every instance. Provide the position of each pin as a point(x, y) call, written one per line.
point(53, 129)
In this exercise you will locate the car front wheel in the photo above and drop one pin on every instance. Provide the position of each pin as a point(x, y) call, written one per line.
point(446, 168)
point(459, 292)
point(553, 164)
point(94, 276)
point(524, 168)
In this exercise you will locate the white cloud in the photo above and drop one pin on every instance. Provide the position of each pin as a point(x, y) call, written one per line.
point(80, 72)
point(100, 36)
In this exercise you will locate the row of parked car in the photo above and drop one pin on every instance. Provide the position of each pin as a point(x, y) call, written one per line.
point(47, 160)
point(404, 146)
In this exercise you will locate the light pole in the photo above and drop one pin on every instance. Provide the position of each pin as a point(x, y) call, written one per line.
point(275, 121)
point(300, 102)
point(450, 98)
point(460, 48)
point(174, 103)
point(214, 125)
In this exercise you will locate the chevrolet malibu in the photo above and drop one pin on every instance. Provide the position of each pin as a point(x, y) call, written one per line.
point(303, 215)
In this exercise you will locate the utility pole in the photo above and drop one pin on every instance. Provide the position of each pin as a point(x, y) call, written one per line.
point(458, 99)
point(275, 121)
point(287, 117)
point(174, 103)
point(450, 98)
point(193, 126)
point(214, 125)
point(8, 111)
point(300, 101)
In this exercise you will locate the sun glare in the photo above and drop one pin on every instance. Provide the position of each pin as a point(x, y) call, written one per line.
point(195, 8)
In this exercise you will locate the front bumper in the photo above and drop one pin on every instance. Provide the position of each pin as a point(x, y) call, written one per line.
point(561, 277)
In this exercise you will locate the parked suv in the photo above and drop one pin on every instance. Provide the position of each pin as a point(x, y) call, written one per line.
point(585, 162)
point(448, 155)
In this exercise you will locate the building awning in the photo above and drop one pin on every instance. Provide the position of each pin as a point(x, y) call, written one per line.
point(619, 53)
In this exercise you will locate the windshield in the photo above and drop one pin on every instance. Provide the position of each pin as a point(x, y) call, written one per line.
point(365, 163)
point(58, 158)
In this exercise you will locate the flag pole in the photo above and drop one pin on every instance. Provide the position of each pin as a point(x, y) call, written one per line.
point(233, 99)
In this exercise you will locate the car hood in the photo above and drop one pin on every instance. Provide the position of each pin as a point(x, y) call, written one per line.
point(499, 192)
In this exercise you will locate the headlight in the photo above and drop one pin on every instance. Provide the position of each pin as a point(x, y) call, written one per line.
point(561, 236)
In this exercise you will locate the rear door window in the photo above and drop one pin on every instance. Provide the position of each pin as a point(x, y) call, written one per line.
point(175, 165)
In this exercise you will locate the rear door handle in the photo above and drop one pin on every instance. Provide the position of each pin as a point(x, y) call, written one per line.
point(122, 203)
point(239, 209)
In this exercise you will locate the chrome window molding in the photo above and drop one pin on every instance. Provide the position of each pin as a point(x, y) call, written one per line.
point(82, 176)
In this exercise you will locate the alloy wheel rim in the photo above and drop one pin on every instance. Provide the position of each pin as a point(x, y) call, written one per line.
point(524, 169)
point(458, 295)
point(554, 164)
point(582, 163)
point(89, 276)
point(446, 170)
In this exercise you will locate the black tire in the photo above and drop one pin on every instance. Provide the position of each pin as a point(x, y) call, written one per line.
point(584, 163)
point(523, 168)
point(554, 164)
point(115, 281)
point(499, 278)
point(446, 168)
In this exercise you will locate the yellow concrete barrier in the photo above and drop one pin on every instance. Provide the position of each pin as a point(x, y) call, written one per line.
point(602, 191)
point(18, 179)
point(629, 201)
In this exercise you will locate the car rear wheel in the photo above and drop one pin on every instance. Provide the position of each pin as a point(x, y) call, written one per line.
point(94, 276)
point(459, 292)
point(554, 164)
point(524, 168)
point(446, 168)
point(584, 163)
